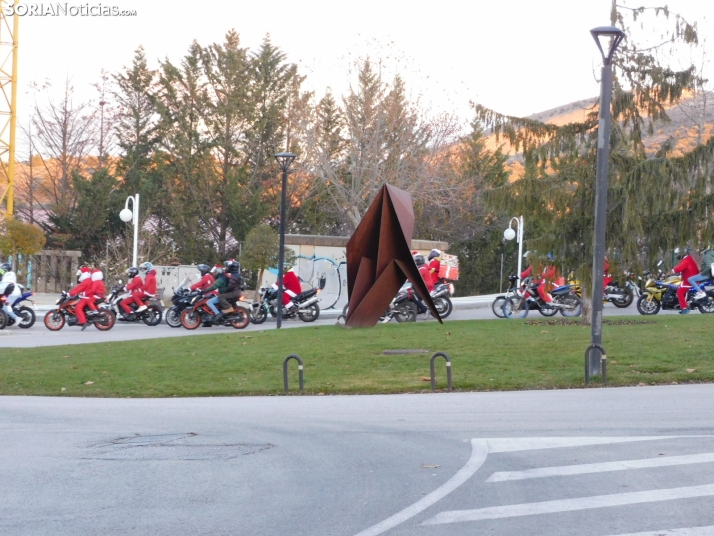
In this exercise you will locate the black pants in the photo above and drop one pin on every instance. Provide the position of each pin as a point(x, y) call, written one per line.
point(223, 299)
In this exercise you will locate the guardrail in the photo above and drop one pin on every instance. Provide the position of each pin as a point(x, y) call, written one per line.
point(300, 372)
point(448, 371)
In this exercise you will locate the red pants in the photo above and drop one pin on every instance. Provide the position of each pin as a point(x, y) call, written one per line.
point(543, 294)
point(287, 298)
point(134, 298)
point(79, 309)
point(681, 295)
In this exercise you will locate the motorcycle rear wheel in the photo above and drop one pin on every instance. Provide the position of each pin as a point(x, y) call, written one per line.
point(548, 311)
point(645, 307)
point(28, 317)
point(243, 318)
point(54, 320)
point(574, 306)
point(152, 315)
point(173, 317)
point(443, 306)
point(105, 320)
point(497, 306)
point(515, 308)
point(258, 314)
point(190, 319)
point(629, 297)
point(312, 313)
point(706, 307)
point(405, 312)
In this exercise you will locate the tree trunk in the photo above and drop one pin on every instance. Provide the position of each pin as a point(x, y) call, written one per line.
point(587, 309)
point(256, 294)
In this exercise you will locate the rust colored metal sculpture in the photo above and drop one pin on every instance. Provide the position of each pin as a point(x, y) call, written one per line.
point(379, 259)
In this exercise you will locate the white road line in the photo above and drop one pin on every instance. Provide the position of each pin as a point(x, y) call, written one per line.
point(478, 456)
point(691, 531)
point(516, 444)
point(586, 468)
point(570, 505)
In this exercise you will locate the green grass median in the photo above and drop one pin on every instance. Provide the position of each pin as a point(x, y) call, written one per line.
point(486, 355)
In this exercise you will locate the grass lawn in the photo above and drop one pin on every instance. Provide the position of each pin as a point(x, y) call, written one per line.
point(486, 355)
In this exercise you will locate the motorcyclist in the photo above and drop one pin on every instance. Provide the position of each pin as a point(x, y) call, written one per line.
point(227, 283)
point(606, 277)
point(434, 265)
point(706, 271)
point(688, 268)
point(135, 288)
point(424, 271)
point(544, 279)
point(95, 292)
point(82, 289)
point(9, 284)
point(206, 278)
point(149, 288)
point(291, 287)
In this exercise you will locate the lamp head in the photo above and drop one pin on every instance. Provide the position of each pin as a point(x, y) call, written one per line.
point(285, 160)
point(604, 32)
point(126, 215)
point(509, 234)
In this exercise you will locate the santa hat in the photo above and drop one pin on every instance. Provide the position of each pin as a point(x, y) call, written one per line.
point(84, 273)
point(97, 275)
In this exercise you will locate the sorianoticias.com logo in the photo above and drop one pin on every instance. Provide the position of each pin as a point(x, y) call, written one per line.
point(59, 9)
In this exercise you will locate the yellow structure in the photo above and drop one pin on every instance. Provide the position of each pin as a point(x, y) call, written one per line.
point(8, 97)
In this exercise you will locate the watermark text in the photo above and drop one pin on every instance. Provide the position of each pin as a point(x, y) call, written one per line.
point(59, 9)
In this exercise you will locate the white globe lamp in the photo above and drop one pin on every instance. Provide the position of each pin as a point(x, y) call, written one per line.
point(126, 215)
point(509, 234)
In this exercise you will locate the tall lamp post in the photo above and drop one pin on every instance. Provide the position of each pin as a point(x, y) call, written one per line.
point(595, 352)
point(510, 234)
point(284, 160)
point(127, 215)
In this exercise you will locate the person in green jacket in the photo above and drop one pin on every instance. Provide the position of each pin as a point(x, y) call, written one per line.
point(706, 271)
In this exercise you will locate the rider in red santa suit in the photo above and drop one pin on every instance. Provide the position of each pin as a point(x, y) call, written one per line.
point(424, 271)
point(688, 268)
point(291, 286)
point(207, 278)
point(84, 280)
point(96, 292)
point(134, 286)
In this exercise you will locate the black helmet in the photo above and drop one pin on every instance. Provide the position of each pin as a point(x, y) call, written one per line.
point(231, 266)
point(132, 272)
point(203, 269)
point(419, 260)
point(434, 253)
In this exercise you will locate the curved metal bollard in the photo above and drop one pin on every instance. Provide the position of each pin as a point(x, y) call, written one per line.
point(300, 371)
point(603, 362)
point(448, 370)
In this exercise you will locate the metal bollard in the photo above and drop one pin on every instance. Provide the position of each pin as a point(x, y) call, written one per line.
point(300, 371)
point(603, 362)
point(448, 371)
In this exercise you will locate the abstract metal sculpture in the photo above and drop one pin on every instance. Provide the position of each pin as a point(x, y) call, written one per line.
point(379, 259)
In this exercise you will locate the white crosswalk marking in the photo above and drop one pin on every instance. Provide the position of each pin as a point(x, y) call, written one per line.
point(586, 468)
point(569, 505)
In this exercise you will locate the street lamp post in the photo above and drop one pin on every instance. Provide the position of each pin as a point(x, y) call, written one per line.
point(595, 351)
point(128, 215)
point(510, 234)
point(284, 160)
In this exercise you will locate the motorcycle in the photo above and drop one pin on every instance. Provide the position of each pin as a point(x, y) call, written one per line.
point(200, 313)
point(307, 308)
point(103, 318)
point(565, 300)
point(662, 294)
point(181, 300)
point(151, 316)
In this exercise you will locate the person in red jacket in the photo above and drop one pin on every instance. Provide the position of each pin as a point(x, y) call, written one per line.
point(206, 278)
point(434, 265)
point(606, 278)
point(134, 286)
point(688, 268)
point(149, 288)
point(292, 287)
point(82, 289)
point(424, 271)
point(96, 292)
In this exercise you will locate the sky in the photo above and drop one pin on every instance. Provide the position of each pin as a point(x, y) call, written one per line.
point(518, 56)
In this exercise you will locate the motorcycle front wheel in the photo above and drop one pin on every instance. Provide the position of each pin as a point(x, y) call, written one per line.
point(310, 314)
point(645, 307)
point(173, 317)
point(190, 319)
point(443, 306)
point(515, 308)
point(54, 320)
point(626, 300)
point(152, 315)
point(405, 312)
point(259, 314)
point(28, 317)
point(497, 306)
point(3, 319)
point(242, 318)
point(572, 306)
point(105, 320)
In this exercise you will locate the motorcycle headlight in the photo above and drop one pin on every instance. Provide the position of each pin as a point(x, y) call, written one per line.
point(57, 302)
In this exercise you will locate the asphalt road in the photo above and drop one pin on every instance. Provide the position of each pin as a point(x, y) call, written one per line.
point(38, 335)
point(590, 462)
